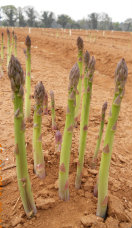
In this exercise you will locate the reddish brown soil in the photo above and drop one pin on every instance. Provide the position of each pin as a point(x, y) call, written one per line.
point(53, 55)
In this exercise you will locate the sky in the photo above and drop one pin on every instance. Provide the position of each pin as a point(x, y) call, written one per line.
point(118, 10)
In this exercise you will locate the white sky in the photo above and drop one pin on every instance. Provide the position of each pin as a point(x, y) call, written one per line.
point(118, 10)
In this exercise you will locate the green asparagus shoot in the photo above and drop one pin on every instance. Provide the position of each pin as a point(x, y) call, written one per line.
point(67, 136)
point(88, 79)
point(28, 78)
point(16, 76)
point(79, 87)
point(54, 126)
point(120, 81)
point(39, 164)
point(104, 107)
point(8, 47)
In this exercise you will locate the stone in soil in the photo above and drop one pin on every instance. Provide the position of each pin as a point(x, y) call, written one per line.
point(45, 203)
point(17, 220)
point(116, 209)
point(90, 220)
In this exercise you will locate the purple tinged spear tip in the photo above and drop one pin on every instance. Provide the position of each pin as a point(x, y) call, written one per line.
point(86, 58)
point(80, 43)
point(52, 95)
point(28, 41)
point(121, 71)
point(58, 137)
point(74, 76)
point(104, 107)
point(39, 92)
point(16, 75)
point(8, 32)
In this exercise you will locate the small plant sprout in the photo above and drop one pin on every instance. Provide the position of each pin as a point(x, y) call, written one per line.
point(46, 104)
point(88, 80)
point(16, 76)
point(39, 164)
point(58, 140)
point(28, 78)
point(79, 87)
point(121, 73)
point(54, 126)
point(8, 47)
point(2, 46)
point(67, 136)
point(104, 107)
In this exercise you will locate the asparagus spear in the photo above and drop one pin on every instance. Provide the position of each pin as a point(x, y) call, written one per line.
point(15, 46)
point(120, 81)
point(8, 47)
point(67, 136)
point(79, 87)
point(16, 76)
point(104, 107)
point(88, 79)
point(28, 78)
point(39, 164)
point(54, 126)
point(2, 46)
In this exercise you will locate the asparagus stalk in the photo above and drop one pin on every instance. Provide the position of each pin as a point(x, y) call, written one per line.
point(67, 136)
point(16, 76)
point(104, 107)
point(28, 78)
point(46, 104)
point(79, 87)
point(2, 46)
point(88, 79)
point(39, 164)
point(54, 126)
point(120, 80)
point(8, 47)
point(15, 46)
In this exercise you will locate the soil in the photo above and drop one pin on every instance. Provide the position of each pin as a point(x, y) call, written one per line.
point(53, 54)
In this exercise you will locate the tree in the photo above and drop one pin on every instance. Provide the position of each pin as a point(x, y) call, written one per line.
point(63, 20)
point(21, 19)
point(93, 19)
point(104, 22)
point(127, 24)
point(47, 19)
point(31, 16)
point(10, 12)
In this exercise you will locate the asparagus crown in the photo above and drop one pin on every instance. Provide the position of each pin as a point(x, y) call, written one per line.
point(121, 74)
point(28, 41)
point(39, 93)
point(74, 77)
point(86, 58)
point(80, 43)
point(91, 65)
point(16, 75)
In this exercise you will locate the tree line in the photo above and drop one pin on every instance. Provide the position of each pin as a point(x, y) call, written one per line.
point(28, 16)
